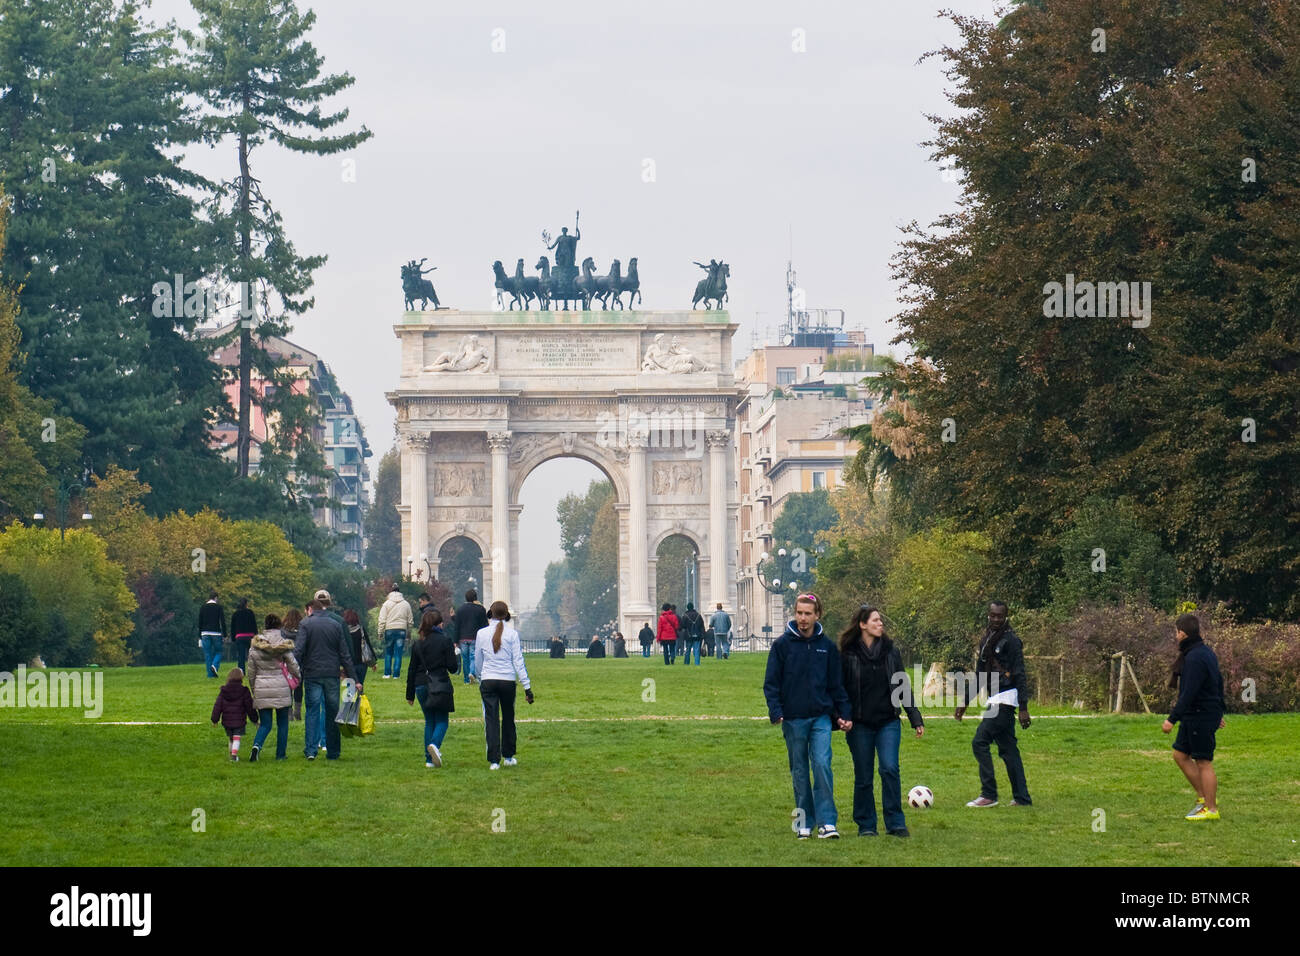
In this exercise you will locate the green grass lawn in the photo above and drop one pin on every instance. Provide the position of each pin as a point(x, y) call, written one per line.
point(604, 778)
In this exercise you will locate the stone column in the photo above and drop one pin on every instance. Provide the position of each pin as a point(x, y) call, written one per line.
point(719, 446)
point(417, 444)
point(499, 442)
point(638, 546)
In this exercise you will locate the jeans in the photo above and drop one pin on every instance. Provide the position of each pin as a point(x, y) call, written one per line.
point(1000, 728)
point(500, 728)
point(281, 729)
point(212, 654)
point(724, 645)
point(670, 651)
point(809, 738)
point(467, 659)
point(322, 695)
point(693, 646)
point(394, 646)
point(241, 645)
point(435, 722)
point(645, 650)
point(866, 745)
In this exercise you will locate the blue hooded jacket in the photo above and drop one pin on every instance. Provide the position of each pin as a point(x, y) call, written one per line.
point(804, 677)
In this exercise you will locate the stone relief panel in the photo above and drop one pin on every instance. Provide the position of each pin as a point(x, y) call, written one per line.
point(459, 481)
point(677, 478)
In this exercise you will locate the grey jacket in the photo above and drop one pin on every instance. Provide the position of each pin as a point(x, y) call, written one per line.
point(265, 677)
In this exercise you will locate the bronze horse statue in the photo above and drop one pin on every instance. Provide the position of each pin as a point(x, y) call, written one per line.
point(506, 284)
point(713, 287)
point(555, 288)
point(415, 286)
point(629, 283)
point(608, 285)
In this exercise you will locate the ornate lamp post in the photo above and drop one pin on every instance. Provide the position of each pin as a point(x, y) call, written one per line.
point(63, 496)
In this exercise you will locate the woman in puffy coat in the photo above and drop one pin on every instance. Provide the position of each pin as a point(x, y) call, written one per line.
point(270, 664)
point(872, 668)
point(667, 635)
point(428, 677)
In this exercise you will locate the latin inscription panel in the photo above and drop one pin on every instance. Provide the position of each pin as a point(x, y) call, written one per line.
point(559, 351)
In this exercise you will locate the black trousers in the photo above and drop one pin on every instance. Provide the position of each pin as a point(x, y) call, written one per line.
point(499, 717)
point(1001, 730)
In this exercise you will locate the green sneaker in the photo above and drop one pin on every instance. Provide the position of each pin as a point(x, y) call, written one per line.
point(1203, 814)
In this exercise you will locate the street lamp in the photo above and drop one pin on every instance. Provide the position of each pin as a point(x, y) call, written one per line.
point(410, 560)
point(63, 496)
point(425, 558)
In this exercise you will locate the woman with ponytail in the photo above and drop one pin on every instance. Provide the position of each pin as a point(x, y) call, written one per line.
point(499, 662)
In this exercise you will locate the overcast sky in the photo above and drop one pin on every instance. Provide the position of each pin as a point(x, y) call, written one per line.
point(476, 151)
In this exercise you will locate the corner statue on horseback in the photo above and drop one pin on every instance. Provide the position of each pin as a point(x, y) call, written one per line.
point(712, 288)
point(415, 286)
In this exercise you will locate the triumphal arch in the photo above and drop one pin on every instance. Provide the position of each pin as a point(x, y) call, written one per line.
point(647, 397)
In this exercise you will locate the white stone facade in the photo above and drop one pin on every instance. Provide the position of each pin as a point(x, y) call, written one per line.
point(648, 397)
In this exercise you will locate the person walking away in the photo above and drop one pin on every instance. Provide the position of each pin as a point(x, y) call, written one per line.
point(212, 633)
point(323, 650)
point(693, 631)
point(395, 622)
point(470, 618)
point(647, 639)
point(243, 628)
point(499, 659)
point(680, 647)
point(428, 680)
point(289, 631)
point(271, 669)
point(804, 687)
point(877, 684)
point(667, 636)
point(1199, 714)
point(358, 643)
point(1000, 664)
point(234, 708)
point(721, 624)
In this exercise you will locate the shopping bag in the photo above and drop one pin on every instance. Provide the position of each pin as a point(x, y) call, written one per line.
point(349, 714)
point(367, 717)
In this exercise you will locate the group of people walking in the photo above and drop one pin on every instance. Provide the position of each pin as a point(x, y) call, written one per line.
point(688, 634)
point(317, 650)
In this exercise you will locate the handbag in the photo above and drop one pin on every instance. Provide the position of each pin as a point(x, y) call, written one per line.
point(289, 679)
point(367, 652)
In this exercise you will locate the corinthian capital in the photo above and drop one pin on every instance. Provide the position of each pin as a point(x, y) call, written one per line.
point(499, 441)
point(718, 439)
point(418, 442)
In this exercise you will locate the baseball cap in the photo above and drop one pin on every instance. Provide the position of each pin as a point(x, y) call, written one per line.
point(322, 595)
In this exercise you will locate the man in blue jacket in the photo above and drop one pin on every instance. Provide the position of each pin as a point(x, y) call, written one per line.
point(804, 689)
point(1200, 709)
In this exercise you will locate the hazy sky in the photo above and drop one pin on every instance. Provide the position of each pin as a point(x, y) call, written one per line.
point(476, 151)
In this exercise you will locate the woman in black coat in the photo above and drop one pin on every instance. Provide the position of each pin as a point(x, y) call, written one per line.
point(873, 668)
point(428, 677)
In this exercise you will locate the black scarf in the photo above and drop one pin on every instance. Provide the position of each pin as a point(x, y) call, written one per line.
point(1185, 645)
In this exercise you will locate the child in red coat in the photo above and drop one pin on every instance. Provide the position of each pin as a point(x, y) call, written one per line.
point(233, 708)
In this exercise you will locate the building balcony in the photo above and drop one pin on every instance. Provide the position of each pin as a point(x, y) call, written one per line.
point(762, 455)
point(349, 471)
point(348, 500)
point(763, 529)
point(347, 527)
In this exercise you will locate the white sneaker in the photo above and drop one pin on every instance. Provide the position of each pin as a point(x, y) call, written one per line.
point(827, 831)
point(803, 833)
point(429, 764)
point(435, 755)
point(510, 762)
point(494, 766)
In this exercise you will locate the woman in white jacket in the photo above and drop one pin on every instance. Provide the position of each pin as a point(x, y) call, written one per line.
point(499, 662)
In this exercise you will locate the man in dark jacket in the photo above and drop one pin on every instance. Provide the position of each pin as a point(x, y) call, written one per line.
point(693, 632)
point(212, 633)
point(321, 651)
point(596, 648)
point(647, 638)
point(1000, 666)
point(1199, 713)
point(470, 618)
point(804, 687)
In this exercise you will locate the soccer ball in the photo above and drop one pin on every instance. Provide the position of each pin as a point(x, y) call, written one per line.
point(920, 797)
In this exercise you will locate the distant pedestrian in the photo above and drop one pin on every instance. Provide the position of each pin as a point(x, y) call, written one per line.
point(234, 708)
point(596, 648)
point(395, 623)
point(271, 669)
point(647, 639)
point(470, 618)
point(433, 661)
point(620, 644)
point(322, 652)
point(720, 622)
point(359, 644)
point(212, 633)
point(692, 629)
point(1199, 714)
point(557, 647)
point(243, 628)
point(667, 635)
point(679, 646)
point(804, 688)
point(499, 659)
point(1000, 663)
point(289, 630)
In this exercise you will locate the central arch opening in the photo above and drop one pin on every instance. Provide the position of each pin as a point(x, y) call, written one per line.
point(568, 552)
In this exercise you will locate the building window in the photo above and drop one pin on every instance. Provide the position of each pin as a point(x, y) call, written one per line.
point(784, 376)
point(819, 480)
